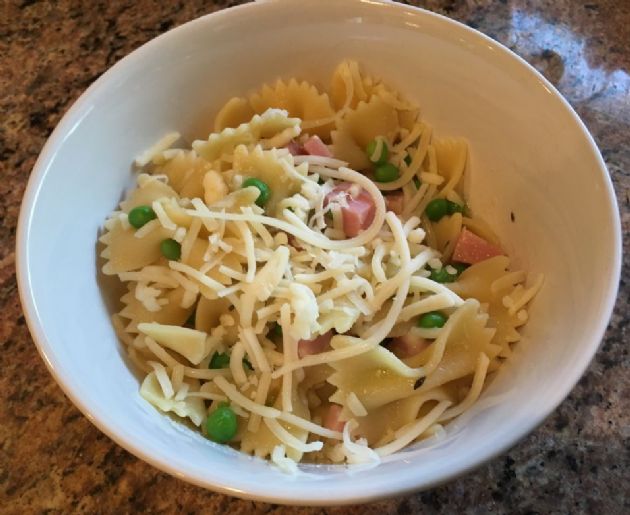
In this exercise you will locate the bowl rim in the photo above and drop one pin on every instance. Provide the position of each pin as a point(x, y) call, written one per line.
point(294, 496)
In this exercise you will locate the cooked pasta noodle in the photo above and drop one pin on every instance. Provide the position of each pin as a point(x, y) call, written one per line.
point(308, 292)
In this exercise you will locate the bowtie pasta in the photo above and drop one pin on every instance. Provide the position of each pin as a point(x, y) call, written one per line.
point(307, 283)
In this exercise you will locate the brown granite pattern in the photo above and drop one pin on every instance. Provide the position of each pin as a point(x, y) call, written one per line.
point(53, 460)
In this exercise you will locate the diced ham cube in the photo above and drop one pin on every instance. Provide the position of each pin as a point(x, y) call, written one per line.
point(357, 216)
point(359, 212)
point(395, 202)
point(331, 419)
point(472, 249)
point(408, 345)
point(337, 191)
point(315, 346)
point(316, 147)
point(295, 148)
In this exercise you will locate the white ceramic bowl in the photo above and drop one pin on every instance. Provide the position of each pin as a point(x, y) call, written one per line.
point(531, 155)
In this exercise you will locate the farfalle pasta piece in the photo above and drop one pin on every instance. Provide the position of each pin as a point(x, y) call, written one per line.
point(475, 281)
point(360, 126)
point(124, 252)
point(490, 281)
point(236, 111)
point(214, 187)
point(451, 154)
point(380, 424)
point(506, 327)
point(191, 407)
point(196, 260)
point(262, 442)
point(348, 87)
point(301, 100)
point(149, 189)
point(186, 172)
point(170, 313)
point(371, 119)
point(376, 377)
point(186, 342)
point(273, 167)
point(316, 376)
point(466, 335)
point(446, 232)
point(237, 199)
point(125, 249)
point(346, 148)
point(209, 312)
point(271, 129)
point(394, 99)
point(409, 118)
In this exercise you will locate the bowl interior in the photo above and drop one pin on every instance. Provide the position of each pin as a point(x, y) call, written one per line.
point(530, 156)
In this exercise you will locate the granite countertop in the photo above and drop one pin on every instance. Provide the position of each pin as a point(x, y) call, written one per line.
point(53, 460)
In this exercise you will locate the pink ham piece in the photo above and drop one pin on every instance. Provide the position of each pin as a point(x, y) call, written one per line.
point(395, 202)
point(331, 419)
point(319, 344)
point(359, 212)
point(472, 249)
point(316, 147)
point(295, 149)
point(408, 345)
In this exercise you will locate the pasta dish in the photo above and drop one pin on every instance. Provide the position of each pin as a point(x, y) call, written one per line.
point(308, 283)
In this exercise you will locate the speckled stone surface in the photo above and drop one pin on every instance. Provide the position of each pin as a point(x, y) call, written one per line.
point(53, 460)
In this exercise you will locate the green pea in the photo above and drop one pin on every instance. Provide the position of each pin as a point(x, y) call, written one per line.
point(171, 249)
point(263, 188)
point(221, 424)
point(386, 173)
point(219, 360)
point(436, 209)
point(370, 150)
point(432, 319)
point(441, 275)
point(454, 207)
point(276, 330)
point(141, 215)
